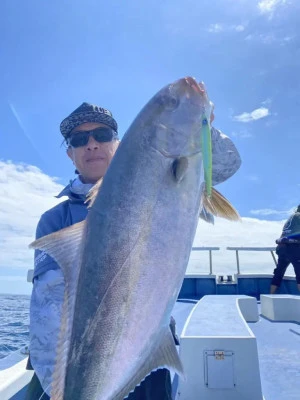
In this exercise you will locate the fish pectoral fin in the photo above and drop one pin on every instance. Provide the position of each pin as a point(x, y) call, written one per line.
point(179, 168)
point(92, 193)
point(219, 206)
point(206, 216)
point(64, 247)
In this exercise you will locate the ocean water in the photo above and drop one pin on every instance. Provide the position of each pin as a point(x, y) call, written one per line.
point(14, 322)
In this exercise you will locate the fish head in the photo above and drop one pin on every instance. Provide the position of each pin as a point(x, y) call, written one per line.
point(175, 116)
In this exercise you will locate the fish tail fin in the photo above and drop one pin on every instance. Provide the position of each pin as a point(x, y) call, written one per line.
point(168, 356)
point(219, 206)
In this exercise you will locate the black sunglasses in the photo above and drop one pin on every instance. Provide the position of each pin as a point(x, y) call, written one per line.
point(101, 134)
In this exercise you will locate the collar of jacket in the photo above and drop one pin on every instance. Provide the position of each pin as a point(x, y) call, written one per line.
point(73, 197)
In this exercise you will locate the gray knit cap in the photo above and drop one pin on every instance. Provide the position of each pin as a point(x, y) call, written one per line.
point(87, 113)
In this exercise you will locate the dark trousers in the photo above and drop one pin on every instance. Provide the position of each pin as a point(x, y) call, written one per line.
point(287, 254)
point(156, 386)
point(35, 390)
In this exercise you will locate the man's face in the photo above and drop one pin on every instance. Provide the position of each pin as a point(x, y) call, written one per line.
point(93, 159)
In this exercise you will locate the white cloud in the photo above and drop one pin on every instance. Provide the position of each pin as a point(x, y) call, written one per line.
point(288, 38)
point(253, 178)
point(218, 28)
point(267, 102)
point(269, 38)
point(215, 28)
point(26, 192)
point(242, 134)
point(269, 6)
point(271, 123)
point(269, 211)
point(253, 115)
point(251, 232)
point(239, 28)
point(263, 38)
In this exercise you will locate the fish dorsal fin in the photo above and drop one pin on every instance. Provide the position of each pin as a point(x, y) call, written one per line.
point(92, 194)
point(179, 168)
point(165, 356)
point(65, 247)
point(219, 206)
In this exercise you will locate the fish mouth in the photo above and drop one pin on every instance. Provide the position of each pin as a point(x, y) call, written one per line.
point(188, 88)
point(194, 84)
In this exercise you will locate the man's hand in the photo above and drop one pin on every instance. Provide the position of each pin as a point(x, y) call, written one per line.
point(203, 89)
point(212, 115)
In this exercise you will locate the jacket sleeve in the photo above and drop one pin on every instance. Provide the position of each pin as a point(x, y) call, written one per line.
point(45, 306)
point(225, 157)
point(45, 315)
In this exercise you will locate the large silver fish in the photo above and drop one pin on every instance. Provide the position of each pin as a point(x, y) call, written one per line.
point(124, 265)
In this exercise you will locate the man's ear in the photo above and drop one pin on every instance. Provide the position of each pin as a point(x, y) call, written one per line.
point(117, 143)
point(70, 152)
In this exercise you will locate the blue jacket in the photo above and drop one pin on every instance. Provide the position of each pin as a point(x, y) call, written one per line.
point(291, 230)
point(64, 214)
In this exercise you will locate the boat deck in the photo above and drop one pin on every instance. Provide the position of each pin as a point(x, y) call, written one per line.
point(279, 358)
point(278, 349)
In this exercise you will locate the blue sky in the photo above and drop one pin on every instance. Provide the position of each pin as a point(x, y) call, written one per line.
point(55, 55)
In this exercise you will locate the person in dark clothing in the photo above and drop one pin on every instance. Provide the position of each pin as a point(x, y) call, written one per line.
point(288, 251)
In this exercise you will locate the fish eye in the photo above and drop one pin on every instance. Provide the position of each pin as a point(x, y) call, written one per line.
point(170, 103)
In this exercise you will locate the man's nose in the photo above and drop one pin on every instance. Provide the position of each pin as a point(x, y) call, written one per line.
point(92, 143)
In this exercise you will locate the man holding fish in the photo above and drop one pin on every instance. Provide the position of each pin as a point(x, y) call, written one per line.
point(100, 308)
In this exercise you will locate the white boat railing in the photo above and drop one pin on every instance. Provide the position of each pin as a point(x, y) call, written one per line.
point(237, 249)
point(210, 250)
